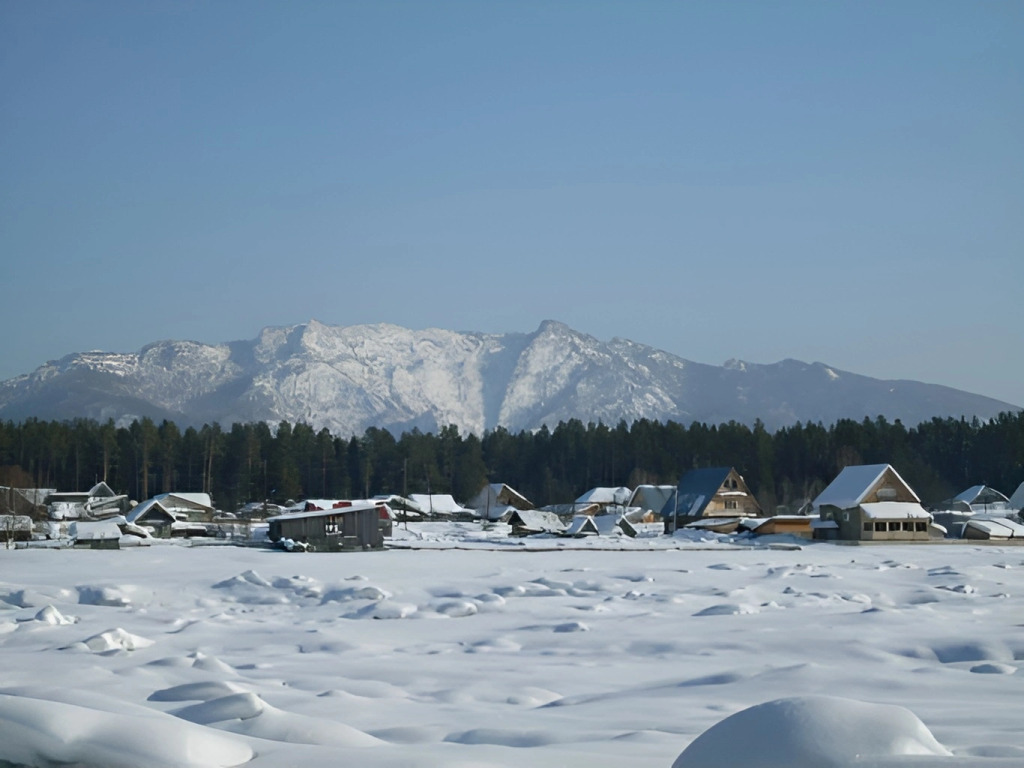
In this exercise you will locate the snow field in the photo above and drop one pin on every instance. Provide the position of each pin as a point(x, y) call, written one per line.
point(217, 656)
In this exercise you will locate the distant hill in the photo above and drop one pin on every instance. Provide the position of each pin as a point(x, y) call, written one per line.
point(350, 378)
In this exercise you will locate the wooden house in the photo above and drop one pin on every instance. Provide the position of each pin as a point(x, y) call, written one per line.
point(870, 503)
point(795, 525)
point(355, 527)
point(153, 517)
point(713, 492)
point(497, 501)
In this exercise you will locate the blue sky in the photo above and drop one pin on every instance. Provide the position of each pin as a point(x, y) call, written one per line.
point(839, 182)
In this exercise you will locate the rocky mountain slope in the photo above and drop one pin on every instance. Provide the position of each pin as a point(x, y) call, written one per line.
point(350, 378)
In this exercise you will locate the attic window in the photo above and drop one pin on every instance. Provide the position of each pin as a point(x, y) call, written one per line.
point(730, 505)
point(887, 494)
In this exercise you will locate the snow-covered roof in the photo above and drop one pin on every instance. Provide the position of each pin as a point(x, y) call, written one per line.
point(497, 495)
point(94, 531)
point(602, 495)
point(150, 507)
point(535, 520)
point(981, 494)
point(651, 496)
point(394, 501)
point(197, 499)
point(321, 512)
point(853, 484)
point(581, 525)
point(1001, 528)
point(438, 504)
point(894, 510)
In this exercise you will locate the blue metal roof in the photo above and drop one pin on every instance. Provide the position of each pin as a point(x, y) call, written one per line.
point(695, 491)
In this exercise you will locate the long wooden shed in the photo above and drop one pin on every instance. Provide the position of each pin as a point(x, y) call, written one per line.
point(331, 530)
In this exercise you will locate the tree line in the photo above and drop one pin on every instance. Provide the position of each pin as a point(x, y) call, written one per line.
point(257, 462)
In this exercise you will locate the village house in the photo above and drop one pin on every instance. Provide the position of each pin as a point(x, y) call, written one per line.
point(870, 503)
point(496, 501)
point(978, 499)
point(354, 527)
point(709, 496)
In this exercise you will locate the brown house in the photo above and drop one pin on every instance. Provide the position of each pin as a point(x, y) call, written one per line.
point(713, 492)
point(870, 502)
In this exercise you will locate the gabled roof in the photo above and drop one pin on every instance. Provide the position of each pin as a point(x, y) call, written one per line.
point(497, 496)
point(981, 494)
point(151, 508)
point(185, 501)
point(894, 510)
point(536, 521)
point(651, 496)
point(101, 489)
point(582, 525)
point(853, 484)
point(437, 503)
point(695, 491)
point(1002, 529)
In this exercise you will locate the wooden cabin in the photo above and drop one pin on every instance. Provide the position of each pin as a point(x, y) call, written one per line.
point(356, 527)
point(713, 492)
point(870, 502)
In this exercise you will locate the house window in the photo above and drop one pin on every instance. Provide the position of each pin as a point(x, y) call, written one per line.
point(879, 526)
point(908, 526)
point(894, 526)
point(921, 527)
point(846, 516)
point(868, 527)
point(730, 505)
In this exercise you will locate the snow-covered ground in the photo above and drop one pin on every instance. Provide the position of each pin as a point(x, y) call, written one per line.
point(468, 649)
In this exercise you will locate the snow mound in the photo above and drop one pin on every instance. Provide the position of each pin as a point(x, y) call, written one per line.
point(38, 730)
point(818, 731)
point(196, 691)
point(50, 615)
point(248, 714)
point(114, 597)
point(116, 639)
point(726, 609)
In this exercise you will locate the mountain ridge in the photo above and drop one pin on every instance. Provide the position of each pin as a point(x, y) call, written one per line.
point(350, 378)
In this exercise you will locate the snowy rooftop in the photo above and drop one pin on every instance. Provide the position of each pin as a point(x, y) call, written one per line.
point(853, 484)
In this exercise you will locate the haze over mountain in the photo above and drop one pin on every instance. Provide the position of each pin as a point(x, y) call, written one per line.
point(350, 378)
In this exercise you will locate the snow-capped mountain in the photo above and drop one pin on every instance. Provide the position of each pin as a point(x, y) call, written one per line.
point(350, 378)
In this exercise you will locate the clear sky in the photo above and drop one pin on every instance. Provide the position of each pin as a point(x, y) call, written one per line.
point(829, 181)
